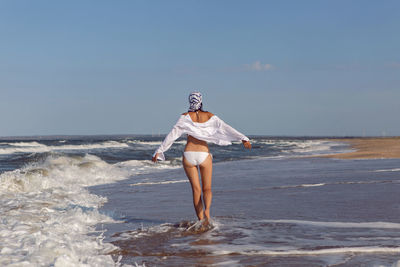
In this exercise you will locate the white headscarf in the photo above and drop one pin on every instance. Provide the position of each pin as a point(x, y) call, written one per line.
point(195, 101)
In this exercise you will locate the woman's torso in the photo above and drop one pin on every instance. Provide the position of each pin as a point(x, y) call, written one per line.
point(194, 144)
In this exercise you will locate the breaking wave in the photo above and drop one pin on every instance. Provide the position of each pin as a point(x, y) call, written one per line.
point(48, 216)
point(35, 147)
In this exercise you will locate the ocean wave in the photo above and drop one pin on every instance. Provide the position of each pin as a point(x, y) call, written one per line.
point(35, 147)
point(24, 144)
point(314, 146)
point(49, 216)
point(153, 143)
point(139, 142)
point(303, 147)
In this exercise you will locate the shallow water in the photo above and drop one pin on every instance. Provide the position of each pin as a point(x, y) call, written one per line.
point(285, 212)
point(100, 201)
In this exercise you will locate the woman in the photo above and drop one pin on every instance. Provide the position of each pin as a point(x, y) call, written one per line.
point(201, 127)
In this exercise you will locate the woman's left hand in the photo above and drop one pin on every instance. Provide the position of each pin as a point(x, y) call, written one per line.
point(154, 159)
point(246, 144)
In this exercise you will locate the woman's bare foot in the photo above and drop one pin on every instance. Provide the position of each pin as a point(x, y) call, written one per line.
point(205, 223)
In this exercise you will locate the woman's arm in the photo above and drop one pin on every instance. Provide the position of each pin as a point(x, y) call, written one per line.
point(174, 134)
point(234, 135)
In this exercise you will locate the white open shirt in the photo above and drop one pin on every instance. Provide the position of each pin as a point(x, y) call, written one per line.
point(214, 131)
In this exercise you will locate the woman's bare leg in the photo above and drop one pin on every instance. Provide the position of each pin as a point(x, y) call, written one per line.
point(193, 175)
point(206, 180)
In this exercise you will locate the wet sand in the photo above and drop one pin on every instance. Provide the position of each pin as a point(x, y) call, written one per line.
point(370, 148)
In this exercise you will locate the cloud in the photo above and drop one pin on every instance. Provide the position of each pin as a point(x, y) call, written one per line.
point(258, 66)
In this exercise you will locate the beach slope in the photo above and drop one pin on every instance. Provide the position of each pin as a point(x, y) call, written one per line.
point(370, 148)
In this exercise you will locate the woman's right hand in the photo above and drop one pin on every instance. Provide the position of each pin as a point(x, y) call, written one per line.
point(154, 159)
point(246, 144)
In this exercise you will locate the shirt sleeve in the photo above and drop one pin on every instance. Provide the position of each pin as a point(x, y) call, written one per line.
point(231, 133)
point(174, 134)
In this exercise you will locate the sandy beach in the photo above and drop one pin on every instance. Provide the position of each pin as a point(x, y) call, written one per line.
point(370, 148)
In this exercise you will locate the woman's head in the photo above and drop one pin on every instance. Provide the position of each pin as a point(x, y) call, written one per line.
point(195, 101)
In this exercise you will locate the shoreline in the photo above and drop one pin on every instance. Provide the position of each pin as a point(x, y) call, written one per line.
point(369, 148)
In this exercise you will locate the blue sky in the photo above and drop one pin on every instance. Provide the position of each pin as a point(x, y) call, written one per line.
point(265, 67)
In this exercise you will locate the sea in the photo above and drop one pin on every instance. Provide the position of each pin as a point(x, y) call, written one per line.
point(101, 201)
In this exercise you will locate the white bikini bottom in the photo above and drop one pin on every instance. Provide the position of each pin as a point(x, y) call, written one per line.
point(196, 157)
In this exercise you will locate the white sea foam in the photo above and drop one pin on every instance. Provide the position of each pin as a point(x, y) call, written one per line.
point(300, 185)
point(302, 147)
point(154, 143)
point(24, 144)
point(151, 143)
point(371, 225)
point(150, 231)
point(389, 170)
point(145, 165)
point(313, 146)
point(48, 217)
point(35, 147)
point(181, 228)
point(255, 250)
point(162, 182)
point(230, 263)
point(312, 185)
point(248, 237)
point(257, 238)
point(336, 183)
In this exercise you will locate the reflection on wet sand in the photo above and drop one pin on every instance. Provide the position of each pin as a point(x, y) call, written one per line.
point(166, 244)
